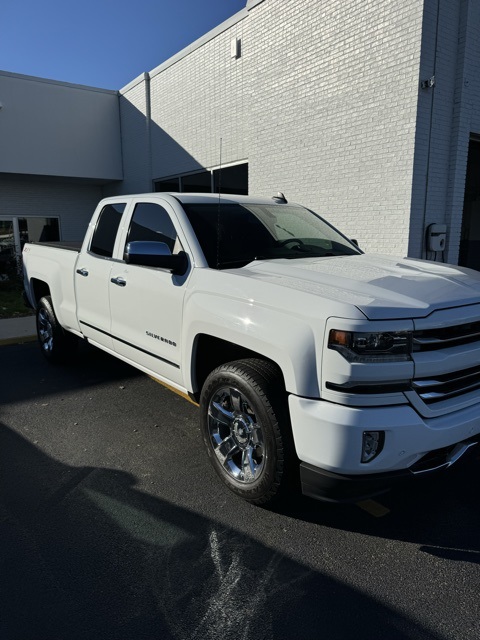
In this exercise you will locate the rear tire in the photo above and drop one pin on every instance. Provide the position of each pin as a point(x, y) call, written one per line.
point(56, 344)
point(246, 429)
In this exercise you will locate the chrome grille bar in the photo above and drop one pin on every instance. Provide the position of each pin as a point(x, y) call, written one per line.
point(431, 396)
point(444, 337)
point(448, 385)
point(423, 342)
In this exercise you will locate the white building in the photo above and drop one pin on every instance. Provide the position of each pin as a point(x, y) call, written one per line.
point(368, 111)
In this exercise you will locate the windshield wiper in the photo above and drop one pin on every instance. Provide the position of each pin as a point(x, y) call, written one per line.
point(296, 256)
point(290, 256)
point(242, 262)
point(286, 230)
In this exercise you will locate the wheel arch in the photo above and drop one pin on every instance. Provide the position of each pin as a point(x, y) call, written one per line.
point(231, 320)
point(209, 352)
point(38, 289)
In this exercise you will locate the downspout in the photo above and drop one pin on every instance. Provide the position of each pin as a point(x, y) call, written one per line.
point(122, 155)
point(148, 131)
point(426, 85)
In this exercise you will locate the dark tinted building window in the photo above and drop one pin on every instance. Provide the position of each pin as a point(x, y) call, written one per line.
point(7, 247)
point(227, 180)
point(197, 183)
point(105, 232)
point(38, 230)
point(168, 185)
point(231, 180)
point(151, 222)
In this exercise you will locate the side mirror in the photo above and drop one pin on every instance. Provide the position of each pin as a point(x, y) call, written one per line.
point(155, 254)
point(355, 242)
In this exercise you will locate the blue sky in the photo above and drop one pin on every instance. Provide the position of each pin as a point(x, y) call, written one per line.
point(102, 43)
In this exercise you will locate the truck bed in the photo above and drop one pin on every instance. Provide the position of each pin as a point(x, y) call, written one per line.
point(72, 245)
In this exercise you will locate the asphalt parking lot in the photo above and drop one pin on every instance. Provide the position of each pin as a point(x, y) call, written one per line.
point(113, 525)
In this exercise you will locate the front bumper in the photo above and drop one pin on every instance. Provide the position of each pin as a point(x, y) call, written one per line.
point(328, 437)
point(334, 487)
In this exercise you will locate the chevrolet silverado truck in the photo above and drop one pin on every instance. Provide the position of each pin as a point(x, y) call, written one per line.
point(314, 364)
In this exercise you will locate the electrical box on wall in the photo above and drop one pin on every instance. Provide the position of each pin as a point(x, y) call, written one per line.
point(236, 48)
point(436, 237)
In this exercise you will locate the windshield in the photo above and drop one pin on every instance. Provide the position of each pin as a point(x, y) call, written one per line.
point(232, 235)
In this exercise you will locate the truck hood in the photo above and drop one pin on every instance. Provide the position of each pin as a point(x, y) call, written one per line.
point(381, 287)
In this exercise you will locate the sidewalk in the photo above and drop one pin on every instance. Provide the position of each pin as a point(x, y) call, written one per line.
point(17, 330)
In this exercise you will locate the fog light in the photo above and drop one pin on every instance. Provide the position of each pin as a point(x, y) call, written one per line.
point(372, 444)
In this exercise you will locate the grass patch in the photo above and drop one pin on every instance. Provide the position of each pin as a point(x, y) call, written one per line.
point(11, 302)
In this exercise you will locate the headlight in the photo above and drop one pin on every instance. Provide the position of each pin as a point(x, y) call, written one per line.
point(388, 346)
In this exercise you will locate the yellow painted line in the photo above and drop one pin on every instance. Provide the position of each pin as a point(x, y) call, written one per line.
point(373, 508)
point(179, 393)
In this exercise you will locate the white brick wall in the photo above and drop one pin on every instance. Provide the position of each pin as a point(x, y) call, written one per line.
point(135, 140)
point(434, 122)
point(466, 115)
point(451, 112)
point(196, 102)
point(322, 103)
point(326, 106)
point(332, 88)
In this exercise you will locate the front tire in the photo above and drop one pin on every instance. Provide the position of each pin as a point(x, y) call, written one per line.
point(56, 344)
point(246, 429)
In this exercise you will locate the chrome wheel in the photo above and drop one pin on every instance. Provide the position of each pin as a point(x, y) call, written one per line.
point(236, 436)
point(45, 331)
point(56, 344)
point(246, 429)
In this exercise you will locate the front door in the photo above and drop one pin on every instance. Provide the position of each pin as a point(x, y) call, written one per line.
point(146, 302)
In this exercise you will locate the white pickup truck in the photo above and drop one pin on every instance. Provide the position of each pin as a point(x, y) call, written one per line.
point(310, 360)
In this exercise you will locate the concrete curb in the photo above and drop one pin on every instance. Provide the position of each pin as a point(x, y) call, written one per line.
point(17, 330)
point(19, 340)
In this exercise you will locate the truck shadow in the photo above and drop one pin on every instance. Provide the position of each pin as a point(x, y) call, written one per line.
point(85, 554)
point(29, 376)
point(440, 513)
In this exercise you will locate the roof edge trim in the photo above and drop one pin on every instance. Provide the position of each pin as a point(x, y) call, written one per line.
point(210, 35)
point(59, 83)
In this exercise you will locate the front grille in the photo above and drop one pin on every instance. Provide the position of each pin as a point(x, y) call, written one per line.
point(442, 338)
point(443, 458)
point(449, 385)
point(432, 459)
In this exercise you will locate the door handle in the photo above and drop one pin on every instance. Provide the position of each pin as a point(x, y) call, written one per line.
point(82, 272)
point(119, 281)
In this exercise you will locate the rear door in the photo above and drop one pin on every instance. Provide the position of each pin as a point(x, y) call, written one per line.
point(147, 302)
point(92, 276)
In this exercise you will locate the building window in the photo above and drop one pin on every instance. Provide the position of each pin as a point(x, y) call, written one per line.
point(229, 180)
point(38, 230)
point(15, 232)
point(7, 248)
point(197, 183)
point(172, 184)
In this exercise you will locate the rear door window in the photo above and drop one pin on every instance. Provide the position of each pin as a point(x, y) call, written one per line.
point(103, 239)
